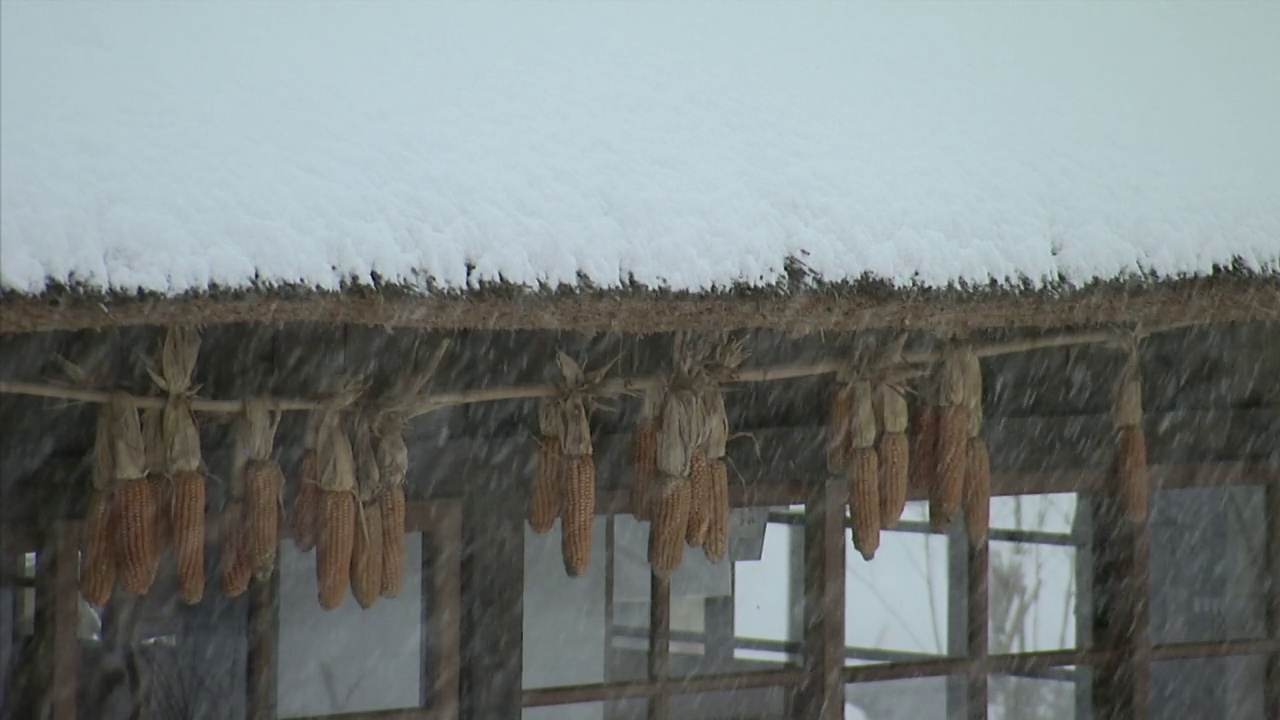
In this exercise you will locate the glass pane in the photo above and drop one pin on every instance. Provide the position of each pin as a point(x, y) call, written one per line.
point(1022, 698)
point(1207, 564)
point(731, 705)
point(564, 618)
point(768, 599)
point(1051, 513)
point(1208, 688)
point(347, 659)
point(916, 511)
point(629, 653)
point(1032, 597)
point(914, 699)
point(898, 601)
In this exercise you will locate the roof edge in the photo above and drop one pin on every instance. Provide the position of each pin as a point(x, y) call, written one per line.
point(798, 305)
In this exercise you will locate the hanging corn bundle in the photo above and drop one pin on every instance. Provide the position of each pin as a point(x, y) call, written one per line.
point(977, 477)
point(1131, 441)
point(947, 493)
point(863, 472)
point(97, 559)
point(578, 504)
point(678, 439)
point(892, 451)
point(366, 548)
point(723, 362)
point(644, 456)
point(137, 505)
point(336, 516)
point(180, 458)
point(263, 484)
point(306, 503)
point(546, 494)
point(393, 468)
point(392, 455)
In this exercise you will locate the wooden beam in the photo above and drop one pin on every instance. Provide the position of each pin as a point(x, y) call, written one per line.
point(629, 689)
point(264, 604)
point(493, 595)
point(659, 647)
point(822, 694)
point(57, 623)
point(1020, 664)
point(1271, 681)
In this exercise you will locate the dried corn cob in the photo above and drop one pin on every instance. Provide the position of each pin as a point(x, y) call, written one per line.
point(97, 565)
point(716, 544)
point(234, 569)
point(644, 462)
point(334, 545)
point(579, 514)
point(187, 512)
point(306, 504)
point(892, 452)
point(548, 480)
point(263, 483)
point(392, 500)
point(137, 544)
point(699, 500)
point(366, 556)
point(667, 529)
point(839, 428)
point(977, 492)
point(864, 500)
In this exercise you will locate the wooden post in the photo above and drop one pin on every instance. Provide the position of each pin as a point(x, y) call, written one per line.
point(977, 629)
point(1121, 625)
point(659, 646)
point(441, 607)
point(1271, 680)
point(9, 570)
point(822, 694)
point(57, 621)
point(1082, 531)
point(260, 664)
point(493, 510)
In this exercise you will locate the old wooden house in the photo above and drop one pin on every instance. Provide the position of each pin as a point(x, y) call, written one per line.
point(459, 361)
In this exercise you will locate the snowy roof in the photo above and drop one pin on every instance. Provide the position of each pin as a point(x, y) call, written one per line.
point(178, 147)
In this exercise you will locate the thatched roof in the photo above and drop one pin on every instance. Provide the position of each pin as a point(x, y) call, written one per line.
point(563, 167)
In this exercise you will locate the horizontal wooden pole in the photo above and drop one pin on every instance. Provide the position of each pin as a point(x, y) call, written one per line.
point(567, 694)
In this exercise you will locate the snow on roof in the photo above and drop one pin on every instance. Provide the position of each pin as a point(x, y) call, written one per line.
point(171, 147)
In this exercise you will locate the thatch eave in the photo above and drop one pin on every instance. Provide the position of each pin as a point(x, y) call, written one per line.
point(798, 306)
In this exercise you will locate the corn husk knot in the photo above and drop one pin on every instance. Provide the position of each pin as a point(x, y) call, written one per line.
point(368, 472)
point(972, 370)
point(256, 429)
point(392, 455)
point(334, 456)
point(128, 447)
